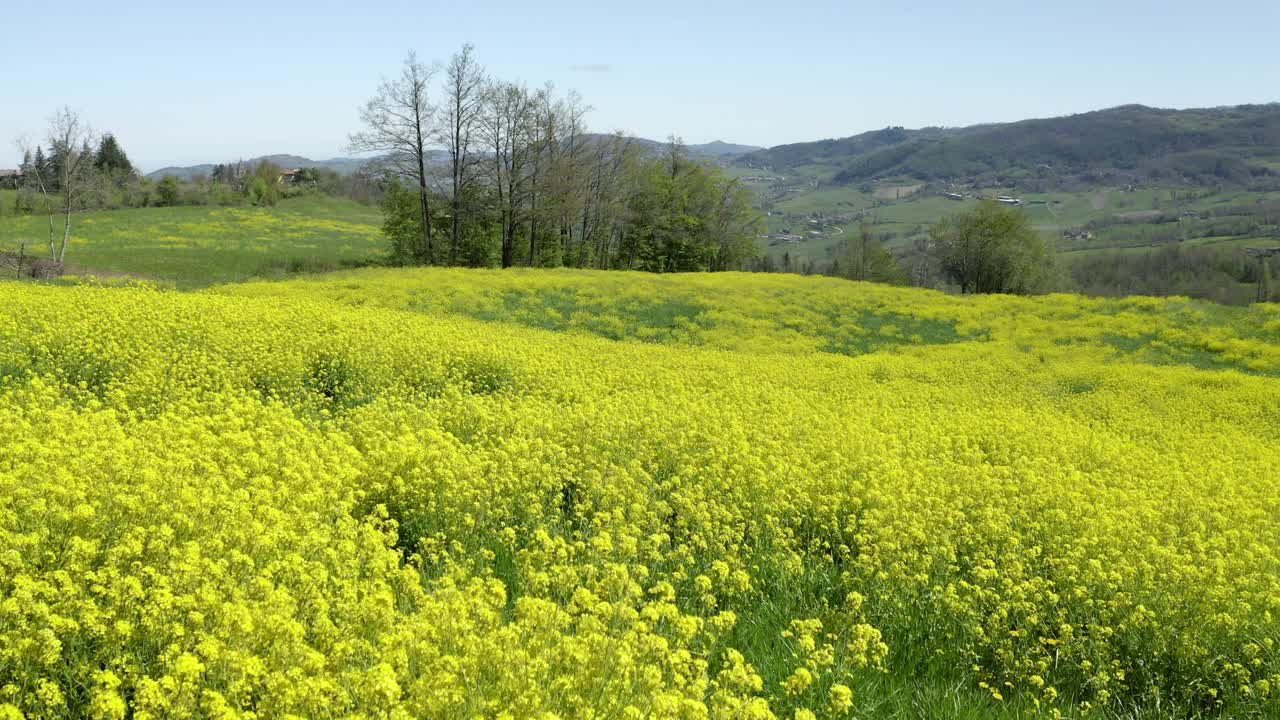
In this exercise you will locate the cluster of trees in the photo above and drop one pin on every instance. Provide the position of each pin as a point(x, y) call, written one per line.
point(990, 249)
point(262, 183)
point(994, 249)
point(108, 159)
point(1230, 277)
point(864, 257)
point(483, 171)
point(78, 170)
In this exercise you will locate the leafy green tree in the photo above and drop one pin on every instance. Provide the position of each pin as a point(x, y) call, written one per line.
point(168, 191)
point(264, 184)
point(684, 216)
point(992, 249)
point(865, 258)
point(402, 225)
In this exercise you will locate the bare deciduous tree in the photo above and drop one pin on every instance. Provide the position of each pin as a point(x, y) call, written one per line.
point(608, 162)
point(568, 173)
point(464, 90)
point(507, 129)
point(70, 186)
point(398, 123)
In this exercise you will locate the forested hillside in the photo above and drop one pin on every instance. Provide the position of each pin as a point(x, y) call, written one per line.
point(1132, 143)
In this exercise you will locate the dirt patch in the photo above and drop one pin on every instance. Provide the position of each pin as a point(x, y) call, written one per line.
point(82, 271)
point(896, 192)
point(1139, 215)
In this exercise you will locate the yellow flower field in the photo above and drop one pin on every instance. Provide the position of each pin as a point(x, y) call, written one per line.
point(462, 494)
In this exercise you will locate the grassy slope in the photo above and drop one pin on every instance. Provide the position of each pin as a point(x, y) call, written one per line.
point(197, 246)
point(907, 217)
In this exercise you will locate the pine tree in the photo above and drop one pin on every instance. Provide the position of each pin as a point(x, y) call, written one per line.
point(111, 158)
point(54, 165)
point(40, 165)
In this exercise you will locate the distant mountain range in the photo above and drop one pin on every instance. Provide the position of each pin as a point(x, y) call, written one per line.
point(717, 149)
point(347, 166)
point(1133, 143)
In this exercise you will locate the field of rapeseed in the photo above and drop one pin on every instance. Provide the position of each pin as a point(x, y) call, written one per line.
point(372, 495)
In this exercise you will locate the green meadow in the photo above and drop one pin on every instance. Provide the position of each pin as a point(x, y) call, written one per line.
point(204, 245)
point(1130, 215)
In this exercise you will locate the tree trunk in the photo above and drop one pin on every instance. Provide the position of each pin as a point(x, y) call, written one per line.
point(66, 236)
point(453, 242)
point(533, 226)
point(426, 219)
point(508, 239)
point(53, 253)
point(420, 148)
point(504, 211)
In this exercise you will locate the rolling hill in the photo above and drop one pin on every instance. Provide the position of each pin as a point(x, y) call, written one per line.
point(715, 150)
point(344, 166)
point(1130, 144)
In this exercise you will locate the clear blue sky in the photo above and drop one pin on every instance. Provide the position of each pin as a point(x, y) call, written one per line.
point(181, 83)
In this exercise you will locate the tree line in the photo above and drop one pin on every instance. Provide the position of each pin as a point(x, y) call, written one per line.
point(992, 248)
point(482, 171)
point(478, 171)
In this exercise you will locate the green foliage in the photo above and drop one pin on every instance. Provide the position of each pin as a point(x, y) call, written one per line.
point(263, 185)
point(670, 214)
point(1223, 275)
point(110, 158)
point(865, 258)
point(261, 192)
point(992, 249)
point(402, 225)
point(685, 216)
point(168, 191)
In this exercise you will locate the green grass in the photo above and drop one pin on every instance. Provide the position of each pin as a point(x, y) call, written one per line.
point(1217, 243)
point(7, 198)
point(200, 246)
point(909, 217)
point(829, 201)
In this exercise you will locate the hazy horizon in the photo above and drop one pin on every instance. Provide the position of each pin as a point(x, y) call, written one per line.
point(241, 80)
